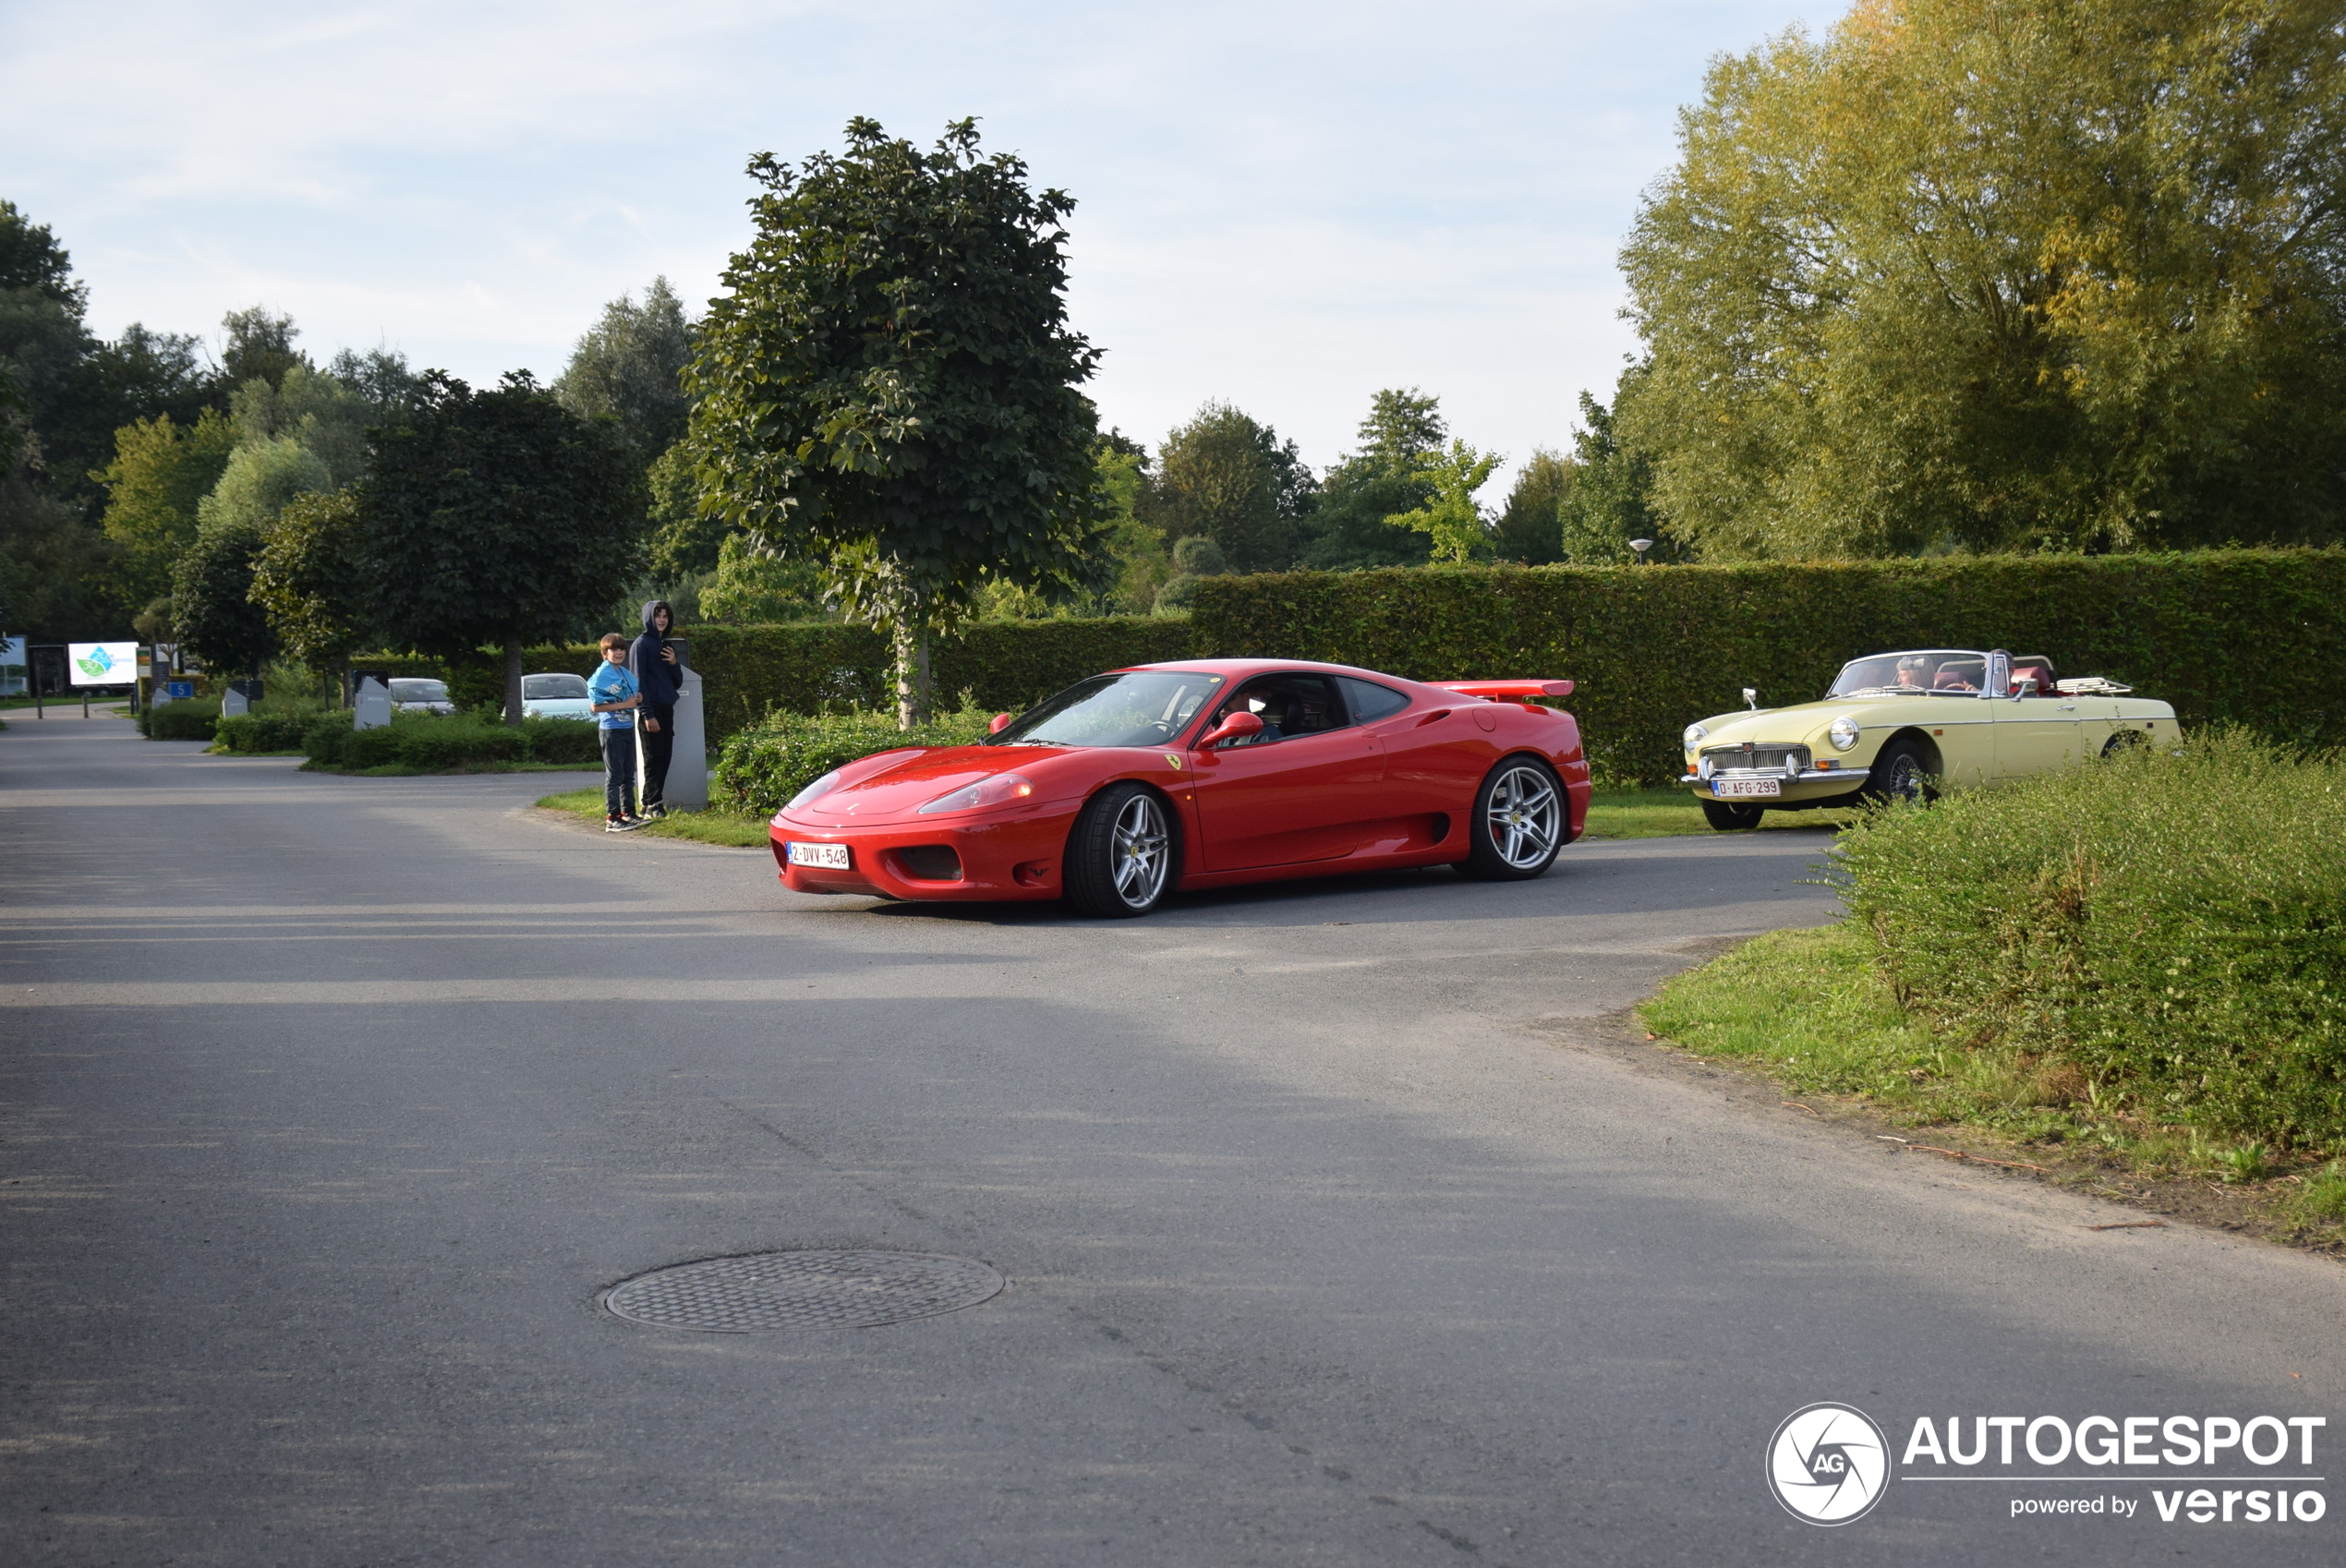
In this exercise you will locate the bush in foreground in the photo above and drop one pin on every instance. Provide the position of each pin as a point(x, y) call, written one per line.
point(2160, 937)
point(192, 720)
point(764, 766)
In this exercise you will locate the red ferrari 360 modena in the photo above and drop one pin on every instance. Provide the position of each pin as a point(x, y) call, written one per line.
point(1131, 784)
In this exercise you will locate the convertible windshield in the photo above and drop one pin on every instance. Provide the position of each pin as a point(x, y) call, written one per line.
point(1940, 672)
point(1146, 707)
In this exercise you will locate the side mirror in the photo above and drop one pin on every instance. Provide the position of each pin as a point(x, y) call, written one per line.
point(2024, 688)
point(999, 722)
point(1238, 726)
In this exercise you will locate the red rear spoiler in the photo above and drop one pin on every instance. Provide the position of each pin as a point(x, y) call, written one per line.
point(1506, 691)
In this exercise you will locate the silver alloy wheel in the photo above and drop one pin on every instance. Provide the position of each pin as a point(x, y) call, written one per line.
point(1140, 851)
point(1526, 818)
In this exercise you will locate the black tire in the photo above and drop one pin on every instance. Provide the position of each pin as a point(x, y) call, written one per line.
point(1125, 853)
point(2125, 741)
point(1903, 772)
point(1729, 817)
point(1518, 824)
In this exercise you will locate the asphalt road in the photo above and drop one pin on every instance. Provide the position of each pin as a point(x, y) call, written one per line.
point(1342, 1227)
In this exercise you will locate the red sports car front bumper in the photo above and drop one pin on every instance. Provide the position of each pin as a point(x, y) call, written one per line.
point(1016, 857)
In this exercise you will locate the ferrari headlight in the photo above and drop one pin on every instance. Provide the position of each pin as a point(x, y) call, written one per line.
point(1696, 734)
point(1000, 790)
point(822, 786)
point(1842, 732)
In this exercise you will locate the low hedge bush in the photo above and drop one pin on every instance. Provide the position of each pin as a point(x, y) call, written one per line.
point(194, 720)
point(764, 766)
point(437, 742)
point(2160, 937)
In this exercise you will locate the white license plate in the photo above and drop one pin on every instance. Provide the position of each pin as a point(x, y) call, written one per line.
point(1722, 787)
point(831, 857)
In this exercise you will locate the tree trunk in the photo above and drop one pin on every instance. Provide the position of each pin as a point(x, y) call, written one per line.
point(912, 674)
point(512, 682)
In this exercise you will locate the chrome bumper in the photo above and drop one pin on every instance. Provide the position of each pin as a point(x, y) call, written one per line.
point(1853, 777)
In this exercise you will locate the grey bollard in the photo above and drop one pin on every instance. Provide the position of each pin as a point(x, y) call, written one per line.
point(371, 710)
point(232, 703)
point(688, 769)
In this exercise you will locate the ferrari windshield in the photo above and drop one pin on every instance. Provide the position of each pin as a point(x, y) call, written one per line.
point(1143, 708)
point(1932, 673)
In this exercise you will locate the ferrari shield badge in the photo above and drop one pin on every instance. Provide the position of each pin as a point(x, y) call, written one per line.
point(1173, 761)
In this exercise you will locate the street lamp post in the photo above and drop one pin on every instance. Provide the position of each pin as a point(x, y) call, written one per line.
point(1641, 545)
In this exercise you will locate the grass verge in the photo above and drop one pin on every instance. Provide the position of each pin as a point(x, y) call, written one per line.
point(728, 828)
point(1663, 814)
point(1811, 1012)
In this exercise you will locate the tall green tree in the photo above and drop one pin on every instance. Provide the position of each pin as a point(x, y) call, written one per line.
point(1451, 518)
point(309, 579)
point(325, 415)
point(1227, 475)
point(160, 475)
point(629, 367)
point(1346, 531)
point(497, 518)
point(889, 387)
point(1529, 525)
point(259, 346)
point(212, 609)
point(1610, 502)
point(2004, 273)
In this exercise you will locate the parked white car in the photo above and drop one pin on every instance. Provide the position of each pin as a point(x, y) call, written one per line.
point(556, 696)
point(411, 693)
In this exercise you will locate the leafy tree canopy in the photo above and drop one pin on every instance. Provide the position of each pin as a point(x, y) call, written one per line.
point(310, 581)
point(212, 603)
point(318, 412)
point(1229, 478)
point(891, 390)
point(1347, 531)
point(32, 258)
point(1610, 502)
point(259, 346)
point(629, 367)
point(1529, 526)
point(1451, 517)
point(2000, 274)
point(497, 517)
point(160, 475)
point(258, 478)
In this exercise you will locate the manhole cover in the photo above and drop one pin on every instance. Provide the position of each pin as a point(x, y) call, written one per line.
point(776, 1292)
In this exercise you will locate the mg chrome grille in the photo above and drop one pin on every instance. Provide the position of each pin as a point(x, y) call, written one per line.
point(1755, 756)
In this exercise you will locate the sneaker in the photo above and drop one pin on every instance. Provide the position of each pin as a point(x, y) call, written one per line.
point(655, 812)
point(614, 825)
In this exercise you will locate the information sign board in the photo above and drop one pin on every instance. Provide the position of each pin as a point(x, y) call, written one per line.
point(101, 664)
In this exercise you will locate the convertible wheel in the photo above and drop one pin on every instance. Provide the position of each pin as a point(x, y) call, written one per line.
point(1518, 825)
point(1120, 858)
point(2125, 741)
point(1901, 773)
point(1728, 817)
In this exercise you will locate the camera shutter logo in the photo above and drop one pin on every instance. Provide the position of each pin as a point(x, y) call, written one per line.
point(1827, 1464)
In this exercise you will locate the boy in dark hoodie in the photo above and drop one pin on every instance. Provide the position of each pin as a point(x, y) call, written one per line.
point(653, 663)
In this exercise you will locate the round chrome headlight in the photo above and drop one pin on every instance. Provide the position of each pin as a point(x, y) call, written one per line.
point(1842, 732)
point(1696, 734)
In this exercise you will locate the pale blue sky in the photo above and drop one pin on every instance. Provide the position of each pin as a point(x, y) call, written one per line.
point(1284, 205)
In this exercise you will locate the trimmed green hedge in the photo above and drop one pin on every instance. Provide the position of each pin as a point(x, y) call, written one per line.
point(192, 720)
point(437, 742)
point(2250, 636)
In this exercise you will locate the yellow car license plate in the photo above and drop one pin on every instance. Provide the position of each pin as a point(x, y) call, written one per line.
point(1723, 787)
point(831, 857)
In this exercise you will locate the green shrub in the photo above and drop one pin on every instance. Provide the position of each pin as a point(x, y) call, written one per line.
point(194, 720)
point(764, 766)
point(2222, 635)
point(278, 724)
point(2163, 933)
point(432, 742)
point(560, 740)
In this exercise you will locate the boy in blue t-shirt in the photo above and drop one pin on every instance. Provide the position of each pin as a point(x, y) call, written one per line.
point(615, 695)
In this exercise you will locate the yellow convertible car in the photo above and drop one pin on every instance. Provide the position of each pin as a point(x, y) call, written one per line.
point(1897, 724)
